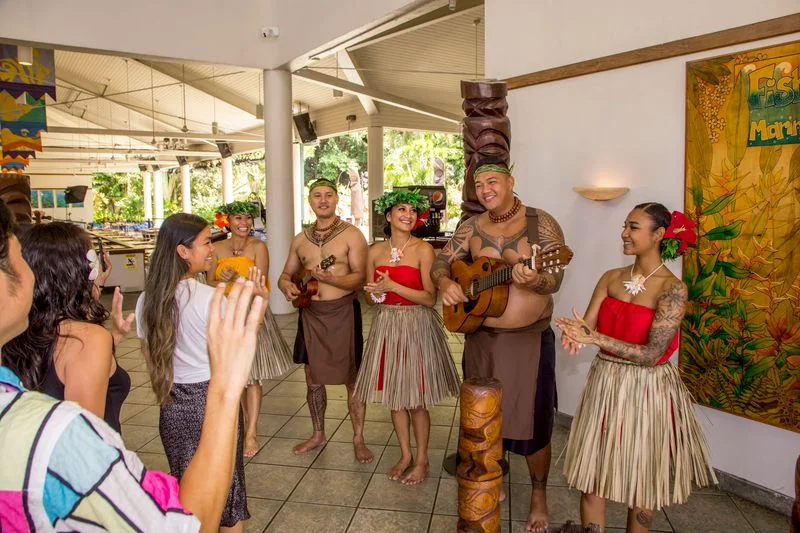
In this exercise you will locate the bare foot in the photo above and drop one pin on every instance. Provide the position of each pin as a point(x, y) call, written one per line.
point(416, 475)
point(316, 440)
point(538, 518)
point(251, 446)
point(396, 472)
point(363, 454)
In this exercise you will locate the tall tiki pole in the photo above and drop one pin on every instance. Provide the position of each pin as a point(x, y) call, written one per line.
point(15, 191)
point(480, 448)
point(487, 133)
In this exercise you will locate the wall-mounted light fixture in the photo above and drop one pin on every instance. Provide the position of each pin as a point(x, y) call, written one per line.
point(25, 55)
point(601, 194)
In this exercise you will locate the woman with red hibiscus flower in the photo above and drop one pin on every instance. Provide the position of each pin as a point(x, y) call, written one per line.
point(634, 438)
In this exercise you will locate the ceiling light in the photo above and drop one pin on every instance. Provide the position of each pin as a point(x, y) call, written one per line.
point(452, 5)
point(25, 55)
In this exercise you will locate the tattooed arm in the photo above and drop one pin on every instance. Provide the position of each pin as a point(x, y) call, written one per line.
point(456, 248)
point(670, 308)
point(550, 236)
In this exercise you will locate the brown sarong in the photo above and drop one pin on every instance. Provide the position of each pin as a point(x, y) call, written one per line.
point(329, 340)
point(512, 356)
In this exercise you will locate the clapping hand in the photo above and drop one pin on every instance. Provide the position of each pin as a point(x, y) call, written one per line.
point(575, 332)
point(382, 286)
point(259, 280)
point(228, 274)
point(120, 327)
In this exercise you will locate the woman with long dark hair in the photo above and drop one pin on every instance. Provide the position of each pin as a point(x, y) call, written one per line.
point(634, 438)
point(66, 352)
point(172, 319)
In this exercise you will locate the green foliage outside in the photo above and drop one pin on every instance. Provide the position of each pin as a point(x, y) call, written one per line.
point(408, 160)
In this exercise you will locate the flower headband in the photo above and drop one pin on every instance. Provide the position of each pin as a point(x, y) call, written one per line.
point(234, 208)
point(392, 198)
point(678, 236)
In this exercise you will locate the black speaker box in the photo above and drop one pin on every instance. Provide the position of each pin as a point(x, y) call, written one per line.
point(305, 128)
point(75, 194)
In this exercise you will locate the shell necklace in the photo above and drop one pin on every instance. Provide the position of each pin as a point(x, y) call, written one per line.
point(396, 255)
point(636, 283)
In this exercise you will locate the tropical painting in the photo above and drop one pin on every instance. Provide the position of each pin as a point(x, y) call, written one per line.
point(740, 341)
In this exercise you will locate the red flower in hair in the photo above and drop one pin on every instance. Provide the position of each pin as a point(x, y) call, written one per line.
point(221, 220)
point(422, 219)
point(681, 228)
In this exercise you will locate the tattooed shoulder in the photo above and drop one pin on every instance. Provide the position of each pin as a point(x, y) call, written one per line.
point(549, 230)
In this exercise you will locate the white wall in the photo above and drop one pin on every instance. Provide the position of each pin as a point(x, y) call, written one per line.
point(215, 31)
point(622, 127)
point(59, 183)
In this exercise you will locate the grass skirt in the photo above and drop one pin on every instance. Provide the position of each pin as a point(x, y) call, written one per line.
point(417, 368)
point(273, 358)
point(634, 438)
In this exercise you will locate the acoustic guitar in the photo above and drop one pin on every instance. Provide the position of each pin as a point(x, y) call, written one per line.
point(486, 282)
point(307, 283)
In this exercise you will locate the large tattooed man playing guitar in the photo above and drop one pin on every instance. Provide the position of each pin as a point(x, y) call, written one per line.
point(517, 347)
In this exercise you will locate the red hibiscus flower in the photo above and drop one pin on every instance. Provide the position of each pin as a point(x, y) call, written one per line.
point(422, 219)
point(681, 228)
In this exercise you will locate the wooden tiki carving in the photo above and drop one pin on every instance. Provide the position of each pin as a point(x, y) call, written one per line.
point(480, 448)
point(487, 133)
point(15, 191)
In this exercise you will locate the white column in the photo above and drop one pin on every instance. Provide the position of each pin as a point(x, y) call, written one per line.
point(186, 187)
point(278, 163)
point(374, 168)
point(158, 197)
point(147, 192)
point(297, 185)
point(227, 179)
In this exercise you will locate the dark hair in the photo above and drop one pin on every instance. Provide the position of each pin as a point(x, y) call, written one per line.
point(659, 214)
point(56, 253)
point(8, 228)
point(387, 228)
point(160, 309)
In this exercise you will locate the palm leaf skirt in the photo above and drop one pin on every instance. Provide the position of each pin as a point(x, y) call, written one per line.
point(635, 438)
point(417, 367)
point(273, 358)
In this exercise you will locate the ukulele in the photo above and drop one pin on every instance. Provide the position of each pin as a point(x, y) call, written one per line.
point(307, 284)
point(486, 282)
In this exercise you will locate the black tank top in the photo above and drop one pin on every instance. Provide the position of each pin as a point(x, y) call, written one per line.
point(119, 385)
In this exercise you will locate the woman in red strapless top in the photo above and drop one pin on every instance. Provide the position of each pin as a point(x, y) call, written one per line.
point(634, 438)
point(406, 359)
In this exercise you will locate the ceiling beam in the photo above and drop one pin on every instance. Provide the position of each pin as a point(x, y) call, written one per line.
point(380, 96)
point(81, 87)
point(123, 150)
point(409, 12)
point(228, 137)
point(345, 61)
point(432, 17)
point(207, 86)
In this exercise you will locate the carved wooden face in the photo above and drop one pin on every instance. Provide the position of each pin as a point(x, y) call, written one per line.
point(15, 191)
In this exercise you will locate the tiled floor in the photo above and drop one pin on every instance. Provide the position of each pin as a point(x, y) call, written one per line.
point(327, 490)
